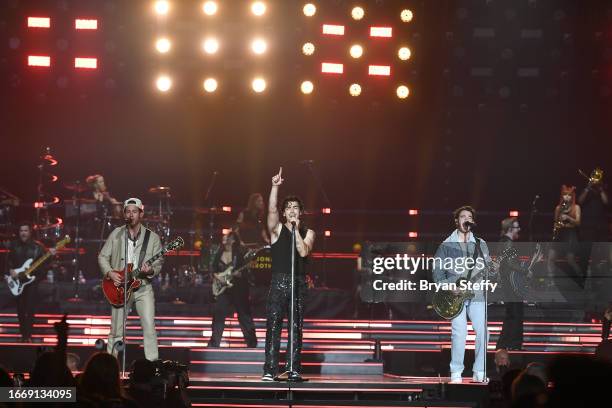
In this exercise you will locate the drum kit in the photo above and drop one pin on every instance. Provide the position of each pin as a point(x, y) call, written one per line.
point(160, 221)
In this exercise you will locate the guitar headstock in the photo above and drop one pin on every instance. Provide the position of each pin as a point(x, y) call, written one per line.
point(175, 244)
point(252, 253)
point(65, 241)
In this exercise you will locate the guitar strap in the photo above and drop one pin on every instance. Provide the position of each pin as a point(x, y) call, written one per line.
point(477, 250)
point(143, 250)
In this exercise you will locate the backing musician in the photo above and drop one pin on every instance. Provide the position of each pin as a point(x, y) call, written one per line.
point(107, 205)
point(20, 250)
point(232, 254)
point(250, 228)
point(511, 336)
point(142, 245)
point(565, 233)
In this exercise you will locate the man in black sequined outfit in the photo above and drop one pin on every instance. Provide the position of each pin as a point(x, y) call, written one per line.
point(279, 296)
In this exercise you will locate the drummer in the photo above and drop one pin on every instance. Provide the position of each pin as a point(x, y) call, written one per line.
point(107, 204)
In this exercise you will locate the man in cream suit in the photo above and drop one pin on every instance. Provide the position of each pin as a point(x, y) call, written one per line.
point(112, 258)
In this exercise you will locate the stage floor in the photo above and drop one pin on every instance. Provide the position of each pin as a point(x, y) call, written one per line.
point(340, 390)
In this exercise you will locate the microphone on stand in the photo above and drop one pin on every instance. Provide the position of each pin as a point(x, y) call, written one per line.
point(469, 224)
point(293, 224)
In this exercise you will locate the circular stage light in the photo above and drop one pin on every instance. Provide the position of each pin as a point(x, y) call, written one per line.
point(210, 45)
point(163, 83)
point(307, 87)
point(210, 85)
point(402, 92)
point(355, 90)
point(259, 46)
point(258, 8)
point(356, 51)
point(308, 49)
point(310, 10)
point(162, 7)
point(259, 85)
point(404, 53)
point(357, 13)
point(210, 8)
point(406, 16)
point(163, 45)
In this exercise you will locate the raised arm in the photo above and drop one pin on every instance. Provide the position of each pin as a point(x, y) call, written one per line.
point(273, 217)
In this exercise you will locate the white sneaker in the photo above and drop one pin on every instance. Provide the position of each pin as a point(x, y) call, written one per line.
point(455, 378)
point(267, 377)
point(479, 377)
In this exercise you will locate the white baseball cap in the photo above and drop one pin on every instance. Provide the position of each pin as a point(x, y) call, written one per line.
point(133, 201)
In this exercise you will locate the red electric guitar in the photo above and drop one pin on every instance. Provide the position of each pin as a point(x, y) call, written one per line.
point(114, 293)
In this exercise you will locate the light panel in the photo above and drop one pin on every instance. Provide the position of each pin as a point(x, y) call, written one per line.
point(86, 62)
point(379, 70)
point(39, 22)
point(39, 61)
point(332, 68)
point(332, 29)
point(386, 32)
point(85, 24)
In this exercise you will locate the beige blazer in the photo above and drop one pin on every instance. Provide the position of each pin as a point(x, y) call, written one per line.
point(112, 255)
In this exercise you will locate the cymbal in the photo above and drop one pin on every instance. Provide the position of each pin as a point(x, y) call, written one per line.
point(57, 223)
point(205, 210)
point(76, 187)
point(159, 190)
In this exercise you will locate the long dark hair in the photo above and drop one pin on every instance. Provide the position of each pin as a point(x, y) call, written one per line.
point(101, 376)
point(251, 209)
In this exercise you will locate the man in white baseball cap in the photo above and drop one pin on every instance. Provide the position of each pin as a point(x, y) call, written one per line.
point(143, 244)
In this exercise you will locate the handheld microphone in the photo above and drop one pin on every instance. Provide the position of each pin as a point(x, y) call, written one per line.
point(293, 224)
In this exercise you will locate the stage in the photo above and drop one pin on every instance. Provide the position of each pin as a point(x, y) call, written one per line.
point(339, 359)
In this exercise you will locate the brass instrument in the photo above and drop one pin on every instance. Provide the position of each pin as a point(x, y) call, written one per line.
point(596, 176)
point(558, 225)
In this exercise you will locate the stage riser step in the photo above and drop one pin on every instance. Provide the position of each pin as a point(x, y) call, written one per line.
point(242, 368)
point(12, 334)
point(258, 356)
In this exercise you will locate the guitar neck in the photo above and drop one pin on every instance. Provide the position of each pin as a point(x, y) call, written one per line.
point(37, 263)
point(154, 258)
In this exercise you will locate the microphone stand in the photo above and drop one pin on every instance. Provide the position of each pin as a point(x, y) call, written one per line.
point(211, 218)
point(291, 310)
point(317, 180)
point(77, 244)
point(485, 344)
point(534, 210)
point(125, 289)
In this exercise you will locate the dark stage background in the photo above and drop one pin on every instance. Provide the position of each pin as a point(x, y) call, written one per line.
point(474, 129)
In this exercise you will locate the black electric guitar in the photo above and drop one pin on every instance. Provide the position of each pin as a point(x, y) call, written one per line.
point(224, 280)
point(448, 304)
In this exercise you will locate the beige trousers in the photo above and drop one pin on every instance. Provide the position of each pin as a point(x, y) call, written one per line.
point(144, 300)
